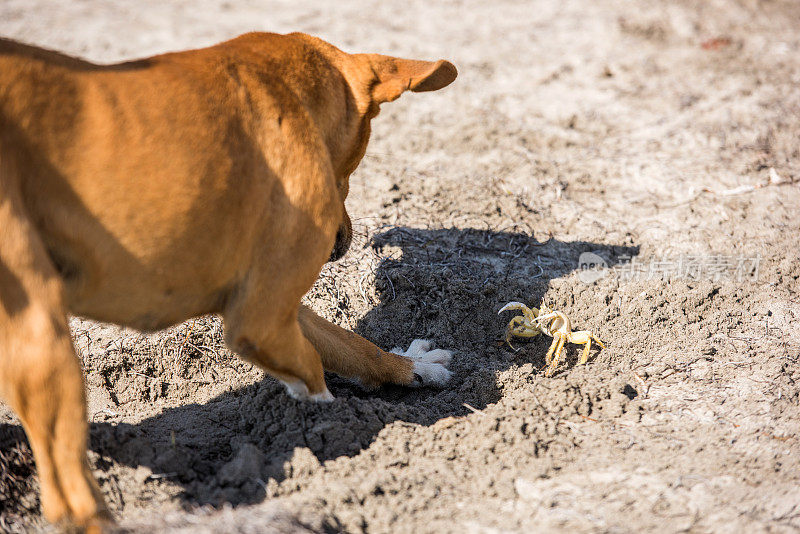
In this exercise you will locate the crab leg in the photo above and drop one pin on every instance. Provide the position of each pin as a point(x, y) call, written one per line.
point(585, 338)
point(553, 348)
point(558, 340)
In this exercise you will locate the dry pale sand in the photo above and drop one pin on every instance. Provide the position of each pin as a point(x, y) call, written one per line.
point(646, 130)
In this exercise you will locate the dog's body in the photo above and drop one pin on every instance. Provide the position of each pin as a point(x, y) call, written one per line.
point(145, 193)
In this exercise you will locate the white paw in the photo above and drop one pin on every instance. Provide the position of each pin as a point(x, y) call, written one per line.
point(430, 366)
point(299, 391)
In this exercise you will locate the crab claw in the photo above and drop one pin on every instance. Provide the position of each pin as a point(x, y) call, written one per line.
point(513, 306)
point(529, 313)
point(546, 316)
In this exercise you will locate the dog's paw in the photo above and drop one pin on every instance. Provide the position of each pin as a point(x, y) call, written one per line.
point(430, 366)
point(299, 391)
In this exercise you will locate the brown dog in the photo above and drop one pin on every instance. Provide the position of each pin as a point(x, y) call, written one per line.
point(149, 192)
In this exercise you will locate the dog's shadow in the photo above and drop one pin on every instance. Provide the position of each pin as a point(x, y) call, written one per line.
point(445, 285)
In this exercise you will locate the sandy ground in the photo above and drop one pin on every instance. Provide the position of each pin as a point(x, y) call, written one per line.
point(663, 133)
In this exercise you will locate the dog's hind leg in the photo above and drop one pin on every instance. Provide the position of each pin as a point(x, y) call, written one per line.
point(40, 375)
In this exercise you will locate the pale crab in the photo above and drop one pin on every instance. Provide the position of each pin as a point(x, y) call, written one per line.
point(555, 324)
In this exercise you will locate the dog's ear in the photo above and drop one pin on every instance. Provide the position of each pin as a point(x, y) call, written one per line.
point(393, 76)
